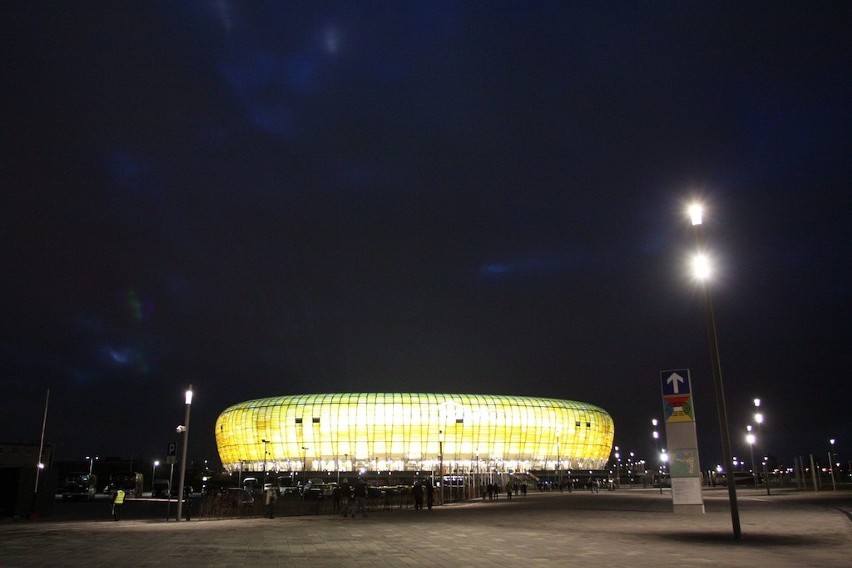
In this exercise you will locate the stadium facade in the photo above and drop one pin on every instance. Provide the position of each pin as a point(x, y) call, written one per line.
point(413, 432)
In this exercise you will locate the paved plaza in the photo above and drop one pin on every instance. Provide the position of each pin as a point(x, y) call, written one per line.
point(622, 528)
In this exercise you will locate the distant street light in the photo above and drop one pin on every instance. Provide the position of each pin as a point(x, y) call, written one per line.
point(831, 464)
point(154, 476)
point(758, 418)
point(265, 453)
point(751, 439)
point(304, 464)
point(558, 460)
point(441, 452)
point(617, 456)
point(185, 430)
point(702, 272)
point(91, 462)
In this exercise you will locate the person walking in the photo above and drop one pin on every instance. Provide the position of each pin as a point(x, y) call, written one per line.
point(270, 502)
point(360, 497)
point(417, 493)
point(430, 495)
point(335, 495)
point(347, 496)
point(117, 504)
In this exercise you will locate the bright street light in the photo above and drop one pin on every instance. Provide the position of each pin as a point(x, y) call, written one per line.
point(182, 477)
point(750, 438)
point(758, 418)
point(696, 213)
point(831, 464)
point(154, 476)
point(702, 267)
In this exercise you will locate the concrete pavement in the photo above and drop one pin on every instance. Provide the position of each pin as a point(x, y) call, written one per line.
point(622, 528)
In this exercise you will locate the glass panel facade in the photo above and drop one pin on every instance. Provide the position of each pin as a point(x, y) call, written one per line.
point(410, 431)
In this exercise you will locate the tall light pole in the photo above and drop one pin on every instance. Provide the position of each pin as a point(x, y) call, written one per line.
point(831, 464)
point(702, 272)
point(154, 476)
point(91, 462)
point(656, 435)
point(304, 464)
point(185, 430)
point(558, 460)
point(751, 439)
point(265, 453)
point(758, 418)
point(441, 453)
point(617, 468)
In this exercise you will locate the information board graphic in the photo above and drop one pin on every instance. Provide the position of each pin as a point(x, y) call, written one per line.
point(683, 463)
point(678, 408)
point(675, 382)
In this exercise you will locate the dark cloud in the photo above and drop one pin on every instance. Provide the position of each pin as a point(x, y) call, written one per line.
point(262, 199)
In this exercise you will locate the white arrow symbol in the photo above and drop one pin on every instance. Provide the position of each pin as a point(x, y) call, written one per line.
point(673, 380)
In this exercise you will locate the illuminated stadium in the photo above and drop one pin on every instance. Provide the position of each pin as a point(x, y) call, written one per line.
point(412, 432)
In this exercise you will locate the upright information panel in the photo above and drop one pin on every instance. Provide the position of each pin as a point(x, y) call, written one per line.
point(682, 441)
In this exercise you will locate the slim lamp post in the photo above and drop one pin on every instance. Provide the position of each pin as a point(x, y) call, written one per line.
point(91, 463)
point(558, 461)
point(617, 468)
point(304, 465)
point(831, 465)
point(441, 452)
point(39, 463)
point(758, 417)
point(153, 476)
point(702, 272)
point(751, 439)
point(265, 453)
point(656, 435)
point(182, 475)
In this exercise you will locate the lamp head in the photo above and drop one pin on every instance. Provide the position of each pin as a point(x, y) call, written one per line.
point(701, 266)
point(696, 213)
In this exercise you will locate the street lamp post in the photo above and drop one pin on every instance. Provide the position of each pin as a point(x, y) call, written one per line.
point(558, 461)
point(758, 418)
point(656, 434)
point(441, 453)
point(304, 465)
point(751, 439)
point(265, 453)
point(702, 272)
point(154, 475)
point(185, 430)
point(91, 462)
point(617, 468)
point(831, 465)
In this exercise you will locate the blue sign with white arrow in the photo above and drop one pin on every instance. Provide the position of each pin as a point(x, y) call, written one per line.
point(675, 382)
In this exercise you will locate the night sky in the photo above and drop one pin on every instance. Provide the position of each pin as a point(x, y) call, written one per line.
point(270, 198)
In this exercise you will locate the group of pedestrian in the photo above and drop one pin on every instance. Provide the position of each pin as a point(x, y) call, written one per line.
point(492, 491)
point(419, 490)
point(353, 497)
